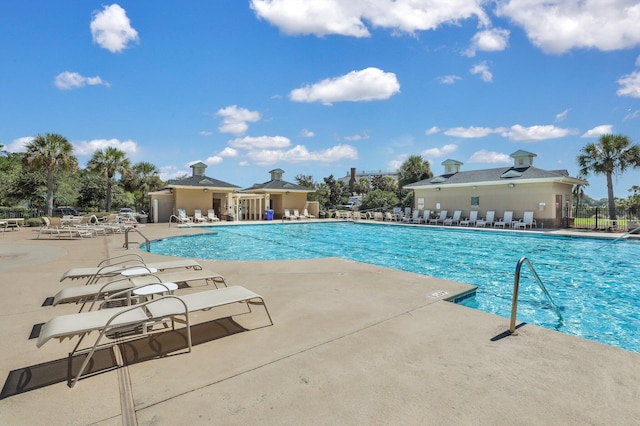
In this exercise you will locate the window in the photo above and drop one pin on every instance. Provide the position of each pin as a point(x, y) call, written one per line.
point(475, 201)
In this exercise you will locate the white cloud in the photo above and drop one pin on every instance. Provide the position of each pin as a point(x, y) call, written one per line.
point(305, 133)
point(638, 61)
point(300, 153)
point(260, 142)
point(72, 80)
point(111, 29)
point(563, 115)
point(214, 160)
point(234, 119)
point(598, 131)
point(489, 157)
point(469, 132)
point(205, 133)
point(364, 85)
point(491, 40)
point(632, 115)
point(358, 137)
point(557, 26)
point(535, 133)
point(630, 84)
point(172, 172)
point(19, 145)
point(348, 18)
point(483, 69)
point(432, 131)
point(449, 79)
point(89, 147)
point(228, 152)
point(433, 153)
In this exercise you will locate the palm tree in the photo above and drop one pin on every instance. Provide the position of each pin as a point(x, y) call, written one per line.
point(612, 154)
point(109, 162)
point(414, 169)
point(50, 153)
point(147, 179)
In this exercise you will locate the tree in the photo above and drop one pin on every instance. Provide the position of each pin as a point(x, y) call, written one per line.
point(140, 179)
point(362, 186)
point(612, 154)
point(414, 169)
point(108, 163)
point(49, 153)
point(377, 199)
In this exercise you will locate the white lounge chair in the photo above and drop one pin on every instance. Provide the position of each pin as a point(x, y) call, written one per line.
point(426, 216)
point(527, 220)
point(288, 215)
point(506, 220)
point(132, 321)
point(182, 216)
point(414, 218)
point(47, 229)
point(297, 215)
point(440, 218)
point(96, 292)
point(306, 214)
point(455, 219)
point(211, 216)
point(471, 220)
point(487, 220)
point(197, 216)
point(116, 265)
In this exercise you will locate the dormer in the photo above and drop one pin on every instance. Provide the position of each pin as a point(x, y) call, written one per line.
point(198, 168)
point(276, 174)
point(451, 166)
point(522, 159)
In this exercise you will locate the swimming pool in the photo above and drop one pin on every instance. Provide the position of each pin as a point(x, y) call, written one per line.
point(593, 281)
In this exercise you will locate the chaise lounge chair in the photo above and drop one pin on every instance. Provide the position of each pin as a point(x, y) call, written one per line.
point(471, 220)
point(527, 220)
point(453, 219)
point(288, 215)
point(116, 265)
point(211, 216)
point(507, 220)
point(487, 220)
point(96, 292)
point(141, 319)
point(307, 215)
point(197, 216)
point(439, 219)
point(415, 218)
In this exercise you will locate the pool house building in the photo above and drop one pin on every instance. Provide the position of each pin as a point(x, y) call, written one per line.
point(229, 202)
point(519, 188)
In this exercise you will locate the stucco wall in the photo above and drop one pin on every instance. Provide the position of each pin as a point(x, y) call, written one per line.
point(522, 197)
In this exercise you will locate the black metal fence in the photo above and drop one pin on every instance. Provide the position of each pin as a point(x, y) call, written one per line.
point(597, 218)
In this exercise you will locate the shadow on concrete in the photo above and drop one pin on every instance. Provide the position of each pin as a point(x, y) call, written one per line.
point(133, 351)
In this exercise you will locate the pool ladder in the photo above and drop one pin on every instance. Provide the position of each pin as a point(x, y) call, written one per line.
point(516, 286)
point(126, 239)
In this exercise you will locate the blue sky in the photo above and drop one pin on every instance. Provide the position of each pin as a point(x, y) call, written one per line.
point(316, 87)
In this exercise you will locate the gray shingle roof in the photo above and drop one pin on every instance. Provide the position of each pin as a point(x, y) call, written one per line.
point(278, 185)
point(201, 181)
point(491, 175)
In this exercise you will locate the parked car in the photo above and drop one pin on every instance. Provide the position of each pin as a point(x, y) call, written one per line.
point(65, 211)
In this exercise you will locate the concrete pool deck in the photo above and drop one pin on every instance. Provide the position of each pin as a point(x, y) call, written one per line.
point(351, 343)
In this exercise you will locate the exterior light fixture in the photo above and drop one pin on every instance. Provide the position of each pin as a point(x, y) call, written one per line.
point(475, 187)
point(205, 190)
point(438, 189)
point(511, 185)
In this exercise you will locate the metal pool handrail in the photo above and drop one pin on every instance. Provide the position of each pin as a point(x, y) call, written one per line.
point(126, 239)
point(620, 237)
point(516, 286)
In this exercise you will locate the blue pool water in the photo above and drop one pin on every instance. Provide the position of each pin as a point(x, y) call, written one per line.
point(594, 282)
